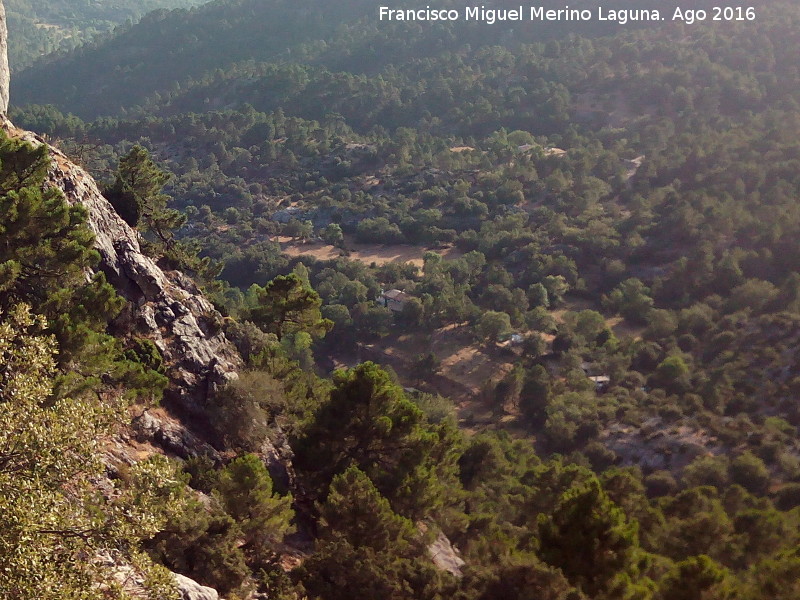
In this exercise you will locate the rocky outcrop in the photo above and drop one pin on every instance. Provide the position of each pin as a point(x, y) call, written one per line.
point(171, 435)
point(5, 75)
point(278, 456)
point(163, 306)
point(133, 583)
point(189, 589)
point(445, 556)
point(659, 445)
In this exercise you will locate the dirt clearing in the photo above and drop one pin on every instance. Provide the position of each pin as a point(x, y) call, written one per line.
point(365, 253)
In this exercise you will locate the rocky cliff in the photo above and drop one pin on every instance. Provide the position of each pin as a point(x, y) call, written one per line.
point(164, 306)
point(4, 72)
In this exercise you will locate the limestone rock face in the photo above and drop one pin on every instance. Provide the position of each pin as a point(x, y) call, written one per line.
point(165, 307)
point(191, 590)
point(5, 74)
point(172, 436)
point(445, 556)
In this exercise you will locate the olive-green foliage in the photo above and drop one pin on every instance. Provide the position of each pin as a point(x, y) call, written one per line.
point(69, 24)
point(574, 418)
point(241, 412)
point(356, 512)
point(359, 531)
point(707, 470)
point(338, 568)
point(144, 351)
point(524, 577)
point(776, 578)
point(536, 395)
point(57, 368)
point(672, 373)
point(696, 523)
point(788, 497)
point(203, 543)
point(508, 390)
point(245, 491)
point(46, 245)
point(53, 516)
point(496, 472)
point(250, 340)
point(698, 251)
point(691, 579)
point(631, 299)
point(137, 196)
point(492, 325)
point(750, 472)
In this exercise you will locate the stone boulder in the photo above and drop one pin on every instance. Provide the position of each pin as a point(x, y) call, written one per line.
point(445, 556)
point(172, 436)
point(191, 590)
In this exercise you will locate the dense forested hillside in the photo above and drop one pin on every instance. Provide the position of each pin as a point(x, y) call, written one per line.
point(589, 367)
point(39, 28)
point(169, 53)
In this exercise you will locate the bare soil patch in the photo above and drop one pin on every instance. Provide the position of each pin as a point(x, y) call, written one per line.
point(468, 370)
point(368, 254)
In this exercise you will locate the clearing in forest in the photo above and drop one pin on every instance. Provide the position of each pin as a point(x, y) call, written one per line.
point(368, 254)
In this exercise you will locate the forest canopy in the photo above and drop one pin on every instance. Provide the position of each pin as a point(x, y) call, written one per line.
point(531, 295)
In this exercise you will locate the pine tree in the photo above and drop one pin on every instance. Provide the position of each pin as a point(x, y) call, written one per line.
point(356, 512)
point(45, 245)
point(137, 195)
point(369, 423)
point(591, 540)
point(245, 490)
point(46, 249)
point(364, 545)
point(288, 305)
point(525, 578)
point(692, 579)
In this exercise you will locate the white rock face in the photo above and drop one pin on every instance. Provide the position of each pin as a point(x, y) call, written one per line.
point(191, 590)
point(5, 74)
point(445, 556)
